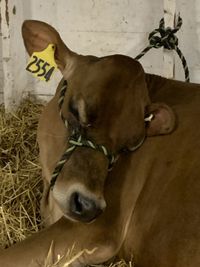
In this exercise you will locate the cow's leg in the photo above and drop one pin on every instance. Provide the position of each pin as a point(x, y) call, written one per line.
point(93, 237)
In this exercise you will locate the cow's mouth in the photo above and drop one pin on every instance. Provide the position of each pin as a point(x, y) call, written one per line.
point(78, 204)
point(83, 208)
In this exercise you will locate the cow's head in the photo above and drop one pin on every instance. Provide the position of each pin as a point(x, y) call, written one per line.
point(107, 100)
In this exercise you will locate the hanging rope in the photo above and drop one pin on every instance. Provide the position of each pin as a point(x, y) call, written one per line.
point(165, 37)
point(78, 141)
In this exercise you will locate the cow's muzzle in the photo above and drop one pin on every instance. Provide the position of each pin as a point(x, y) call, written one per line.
point(82, 208)
point(78, 203)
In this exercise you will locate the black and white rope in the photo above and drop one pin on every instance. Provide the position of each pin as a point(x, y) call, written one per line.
point(165, 37)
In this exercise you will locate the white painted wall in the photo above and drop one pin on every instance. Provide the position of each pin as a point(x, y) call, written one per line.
point(1, 72)
point(98, 27)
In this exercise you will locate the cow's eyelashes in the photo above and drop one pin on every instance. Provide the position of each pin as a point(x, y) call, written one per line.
point(79, 112)
point(73, 110)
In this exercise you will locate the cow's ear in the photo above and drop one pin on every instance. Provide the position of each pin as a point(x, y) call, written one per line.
point(161, 119)
point(38, 35)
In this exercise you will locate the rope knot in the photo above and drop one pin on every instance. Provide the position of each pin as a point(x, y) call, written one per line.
point(75, 141)
point(167, 37)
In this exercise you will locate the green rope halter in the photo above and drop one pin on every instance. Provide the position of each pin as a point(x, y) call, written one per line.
point(168, 40)
point(74, 141)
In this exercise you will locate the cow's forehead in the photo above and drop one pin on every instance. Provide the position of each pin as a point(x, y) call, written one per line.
point(96, 76)
point(116, 65)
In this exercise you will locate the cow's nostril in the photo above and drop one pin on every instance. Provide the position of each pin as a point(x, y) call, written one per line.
point(76, 203)
point(83, 208)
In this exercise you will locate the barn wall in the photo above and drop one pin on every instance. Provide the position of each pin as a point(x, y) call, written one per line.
point(96, 27)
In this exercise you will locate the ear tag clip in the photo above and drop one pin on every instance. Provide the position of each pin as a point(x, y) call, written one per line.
point(42, 64)
point(149, 118)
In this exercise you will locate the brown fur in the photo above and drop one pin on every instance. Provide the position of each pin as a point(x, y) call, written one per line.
point(152, 194)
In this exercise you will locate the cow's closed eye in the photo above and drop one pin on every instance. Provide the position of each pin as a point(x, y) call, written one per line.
point(78, 112)
point(73, 116)
point(74, 110)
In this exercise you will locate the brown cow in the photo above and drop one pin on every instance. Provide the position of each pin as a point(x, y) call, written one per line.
point(147, 207)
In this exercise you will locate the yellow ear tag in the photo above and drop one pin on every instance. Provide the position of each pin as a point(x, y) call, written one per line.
point(42, 64)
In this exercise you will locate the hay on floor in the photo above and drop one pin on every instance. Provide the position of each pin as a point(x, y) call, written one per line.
point(20, 174)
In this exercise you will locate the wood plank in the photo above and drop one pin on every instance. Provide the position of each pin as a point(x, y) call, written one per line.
point(168, 56)
point(6, 55)
point(13, 52)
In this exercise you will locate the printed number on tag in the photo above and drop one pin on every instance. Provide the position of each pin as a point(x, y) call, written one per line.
point(42, 64)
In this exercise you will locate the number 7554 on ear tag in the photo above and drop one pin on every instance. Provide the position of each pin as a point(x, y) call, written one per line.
point(42, 64)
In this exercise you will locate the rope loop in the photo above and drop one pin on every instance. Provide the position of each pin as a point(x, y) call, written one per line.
point(80, 141)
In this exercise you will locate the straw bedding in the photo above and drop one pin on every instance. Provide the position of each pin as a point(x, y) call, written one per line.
point(20, 174)
point(20, 179)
